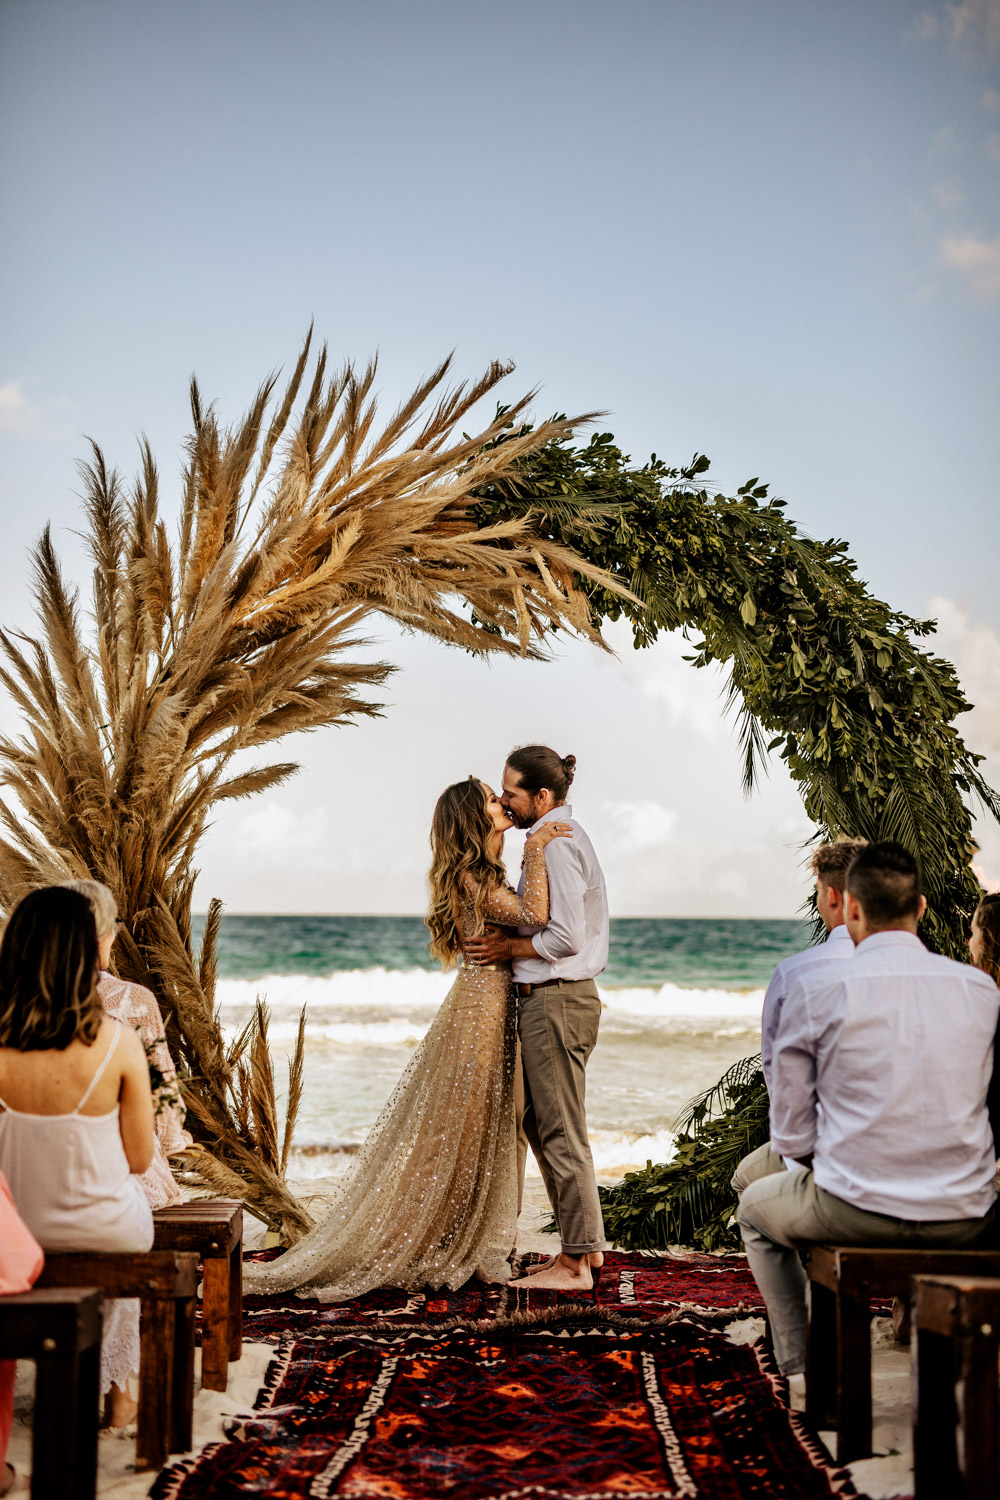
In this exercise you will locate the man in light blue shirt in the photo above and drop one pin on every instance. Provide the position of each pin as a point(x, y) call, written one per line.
point(881, 1070)
point(830, 863)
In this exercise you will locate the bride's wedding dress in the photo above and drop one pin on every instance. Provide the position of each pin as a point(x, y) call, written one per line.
point(432, 1197)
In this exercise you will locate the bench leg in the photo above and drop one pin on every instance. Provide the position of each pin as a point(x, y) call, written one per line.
point(978, 1394)
point(854, 1373)
point(156, 1383)
point(236, 1301)
point(935, 1453)
point(56, 1456)
point(182, 1411)
point(215, 1298)
point(821, 1357)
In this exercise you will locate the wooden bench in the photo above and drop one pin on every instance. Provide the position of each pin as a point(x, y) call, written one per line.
point(956, 1396)
point(213, 1230)
point(60, 1329)
point(166, 1283)
point(843, 1280)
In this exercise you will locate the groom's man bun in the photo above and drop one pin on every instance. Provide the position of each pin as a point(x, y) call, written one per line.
point(539, 767)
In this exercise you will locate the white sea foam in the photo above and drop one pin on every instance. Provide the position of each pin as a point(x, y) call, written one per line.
point(386, 1007)
point(614, 1152)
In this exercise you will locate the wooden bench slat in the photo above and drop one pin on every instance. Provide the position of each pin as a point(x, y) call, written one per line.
point(214, 1230)
point(956, 1407)
point(844, 1279)
point(153, 1273)
point(60, 1329)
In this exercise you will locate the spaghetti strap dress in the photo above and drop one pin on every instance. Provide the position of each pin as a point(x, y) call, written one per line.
point(73, 1187)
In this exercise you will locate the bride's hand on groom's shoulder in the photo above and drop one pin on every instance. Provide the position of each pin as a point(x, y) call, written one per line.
point(546, 833)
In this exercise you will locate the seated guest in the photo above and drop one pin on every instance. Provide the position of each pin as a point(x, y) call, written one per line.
point(984, 950)
point(829, 866)
point(136, 1007)
point(21, 1262)
point(76, 1112)
point(881, 1067)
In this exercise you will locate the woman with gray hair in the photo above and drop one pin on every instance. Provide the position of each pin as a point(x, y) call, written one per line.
point(136, 1007)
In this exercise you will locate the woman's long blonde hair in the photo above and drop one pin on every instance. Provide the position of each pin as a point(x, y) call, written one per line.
point(464, 863)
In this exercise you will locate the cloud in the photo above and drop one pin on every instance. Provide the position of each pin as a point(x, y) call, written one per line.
point(17, 414)
point(974, 21)
point(991, 99)
point(693, 697)
point(637, 825)
point(977, 260)
point(975, 652)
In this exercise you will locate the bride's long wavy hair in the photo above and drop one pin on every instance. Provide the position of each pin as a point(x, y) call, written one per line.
point(463, 859)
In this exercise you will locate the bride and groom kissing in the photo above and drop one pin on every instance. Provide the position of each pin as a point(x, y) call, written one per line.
point(434, 1193)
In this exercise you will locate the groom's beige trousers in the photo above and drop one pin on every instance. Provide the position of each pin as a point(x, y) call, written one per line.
point(558, 1028)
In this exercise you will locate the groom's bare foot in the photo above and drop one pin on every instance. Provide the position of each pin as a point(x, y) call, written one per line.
point(568, 1273)
point(596, 1262)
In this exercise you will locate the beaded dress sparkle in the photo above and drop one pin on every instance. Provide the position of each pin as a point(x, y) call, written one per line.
point(432, 1197)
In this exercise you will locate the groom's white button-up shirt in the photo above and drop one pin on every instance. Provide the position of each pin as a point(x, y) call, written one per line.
point(881, 1068)
point(574, 942)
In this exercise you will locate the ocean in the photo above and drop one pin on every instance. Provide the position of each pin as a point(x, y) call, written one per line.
point(682, 1000)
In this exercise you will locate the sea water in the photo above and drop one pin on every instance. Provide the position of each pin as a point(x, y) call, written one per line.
point(682, 1000)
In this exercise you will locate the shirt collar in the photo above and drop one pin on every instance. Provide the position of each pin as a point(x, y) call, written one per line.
point(564, 810)
point(889, 940)
point(839, 934)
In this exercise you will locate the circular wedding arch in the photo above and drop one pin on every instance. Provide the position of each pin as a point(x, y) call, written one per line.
point(307, 516)
point(820, 671)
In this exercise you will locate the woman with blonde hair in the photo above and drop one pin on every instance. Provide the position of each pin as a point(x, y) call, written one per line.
point(76, 1112)
point(136, 1007)
point(432, 1197)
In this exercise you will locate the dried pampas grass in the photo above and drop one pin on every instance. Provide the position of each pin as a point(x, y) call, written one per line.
point(296, 525)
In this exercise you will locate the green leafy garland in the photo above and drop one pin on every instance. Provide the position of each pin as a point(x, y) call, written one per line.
point(820, 671)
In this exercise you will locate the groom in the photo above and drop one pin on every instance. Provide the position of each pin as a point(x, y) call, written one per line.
point(559, 1010)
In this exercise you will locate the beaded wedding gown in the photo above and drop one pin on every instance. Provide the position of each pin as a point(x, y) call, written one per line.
point(432, 1197)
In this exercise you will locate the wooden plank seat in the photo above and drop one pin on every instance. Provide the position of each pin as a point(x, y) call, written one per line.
point(213, 1229)
point(59, 1328)
point(166, 1283)
point(843, 1280)
point(956, 1396)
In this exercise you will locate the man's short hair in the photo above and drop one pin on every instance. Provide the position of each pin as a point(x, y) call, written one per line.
point(885, 879)
point(830, 862)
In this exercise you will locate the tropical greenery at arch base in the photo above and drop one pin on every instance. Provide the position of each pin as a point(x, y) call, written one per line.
point(821, 673)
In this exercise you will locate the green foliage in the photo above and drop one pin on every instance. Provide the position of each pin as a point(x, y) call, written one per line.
point(821, 672)
point(688, 1200)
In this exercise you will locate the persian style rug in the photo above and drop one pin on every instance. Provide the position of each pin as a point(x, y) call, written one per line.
point(717, 1287)
point(669, 1410)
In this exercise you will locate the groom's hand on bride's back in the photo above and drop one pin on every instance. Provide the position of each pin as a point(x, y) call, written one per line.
point(494, 946)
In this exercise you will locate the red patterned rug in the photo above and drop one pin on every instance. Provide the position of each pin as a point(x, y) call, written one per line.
point(575, 1412)
point(717, 1287)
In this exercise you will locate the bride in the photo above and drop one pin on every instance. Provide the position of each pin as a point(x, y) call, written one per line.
point(432, 1197)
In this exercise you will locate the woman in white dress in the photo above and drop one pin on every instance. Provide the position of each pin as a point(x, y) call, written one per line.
point(432, 1197)
point(76, 1111)
point(136, 1007)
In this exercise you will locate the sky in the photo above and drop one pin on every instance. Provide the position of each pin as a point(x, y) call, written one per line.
point(769, 232)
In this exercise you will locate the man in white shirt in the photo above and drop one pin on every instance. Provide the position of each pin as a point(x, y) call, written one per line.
point(559, 1011)
point(881, 1068)
point(829, 866)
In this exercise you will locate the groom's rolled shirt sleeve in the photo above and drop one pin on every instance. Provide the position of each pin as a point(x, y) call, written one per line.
point(566, 930)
